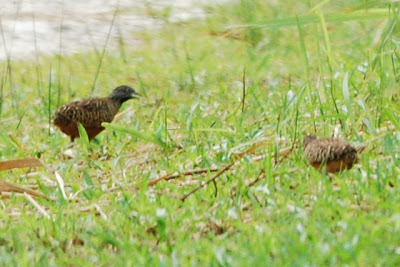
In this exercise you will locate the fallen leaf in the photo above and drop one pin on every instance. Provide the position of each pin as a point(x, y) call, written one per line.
point(20, 163)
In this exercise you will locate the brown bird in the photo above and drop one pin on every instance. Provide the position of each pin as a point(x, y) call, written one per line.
point(92, 112)
point(336, 154)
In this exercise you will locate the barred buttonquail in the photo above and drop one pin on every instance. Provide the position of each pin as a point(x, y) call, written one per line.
point(92, 112)
point(336, 154)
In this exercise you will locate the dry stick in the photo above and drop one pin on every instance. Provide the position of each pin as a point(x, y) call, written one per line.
point(209, 181)
point(20, 163)
point(257, 122)
point(15, 141)
point(55, 185)
point(102, 214)
point(227, 168)
point(60, 182)
point(37, 206)
point(260, 176)
point(176, 175)
point(257, 200)
point(9, 187)
point(251, 149)
point(213, 179)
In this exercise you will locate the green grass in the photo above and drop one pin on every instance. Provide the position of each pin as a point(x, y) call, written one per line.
point(310, 68)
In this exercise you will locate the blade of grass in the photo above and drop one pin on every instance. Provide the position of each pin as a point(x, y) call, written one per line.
point(385, 38)
point(104, 50)
point(1, 95)
point(346, 93)
point(39, 79)
point(305, 58)
point(84, 138)
point(189, 66)
point(21, 116)
point(374, 14)
point(243, 88)
point(328, 53)
point(59, 57)
point(152, 138)
point(390, 114)
point(49, 102)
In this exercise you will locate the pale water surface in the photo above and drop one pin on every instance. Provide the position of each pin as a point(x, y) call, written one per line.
point(30, 28)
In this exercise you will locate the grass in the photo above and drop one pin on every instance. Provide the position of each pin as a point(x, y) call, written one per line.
point(329, 67)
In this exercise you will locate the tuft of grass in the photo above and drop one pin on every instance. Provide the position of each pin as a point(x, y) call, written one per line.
point(152, 138)
point(310, 67)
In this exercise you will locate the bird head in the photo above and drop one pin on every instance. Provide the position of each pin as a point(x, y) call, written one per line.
point(123, 93)
point(308, 139)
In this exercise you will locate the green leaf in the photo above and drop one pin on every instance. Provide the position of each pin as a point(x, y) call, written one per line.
point(330, 18)
point(87, 178)
point(152, 138)
point(190, 116)
point(390, 114)
point(369, 125)
point(84, 138)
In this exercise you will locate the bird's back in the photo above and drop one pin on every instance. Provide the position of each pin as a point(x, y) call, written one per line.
point(327, 149)
point(89, 112)
point(336, 153)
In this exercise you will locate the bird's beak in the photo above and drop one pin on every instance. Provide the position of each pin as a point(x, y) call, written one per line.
point(135, 95)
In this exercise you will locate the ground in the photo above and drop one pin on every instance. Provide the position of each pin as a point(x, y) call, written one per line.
point(231, 96)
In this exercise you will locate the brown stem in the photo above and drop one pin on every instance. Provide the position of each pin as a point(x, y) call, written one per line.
point(9, 187)
point(176, 175)
point(208, 181)
point(260, 176)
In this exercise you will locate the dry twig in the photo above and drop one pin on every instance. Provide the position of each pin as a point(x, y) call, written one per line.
point(260, 176)
point(37, 206)
point(176, 175)
point(208, 181)
point(60, 182)
point(9, 187)
point(20, 163)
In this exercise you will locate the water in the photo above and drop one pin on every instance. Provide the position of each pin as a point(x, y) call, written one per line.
point(30, 28)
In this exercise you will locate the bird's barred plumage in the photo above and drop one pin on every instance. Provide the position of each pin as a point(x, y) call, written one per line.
point(334, 153)
point(91, 113)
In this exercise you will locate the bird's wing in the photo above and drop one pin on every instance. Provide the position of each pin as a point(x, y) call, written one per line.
point(90, 112)
point(325, 150)
point(340, 149)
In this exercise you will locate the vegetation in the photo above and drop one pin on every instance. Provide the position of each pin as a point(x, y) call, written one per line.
point(239, 89)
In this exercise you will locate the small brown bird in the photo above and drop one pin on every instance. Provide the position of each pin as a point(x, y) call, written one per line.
point(336, 154)
point(92, 112)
